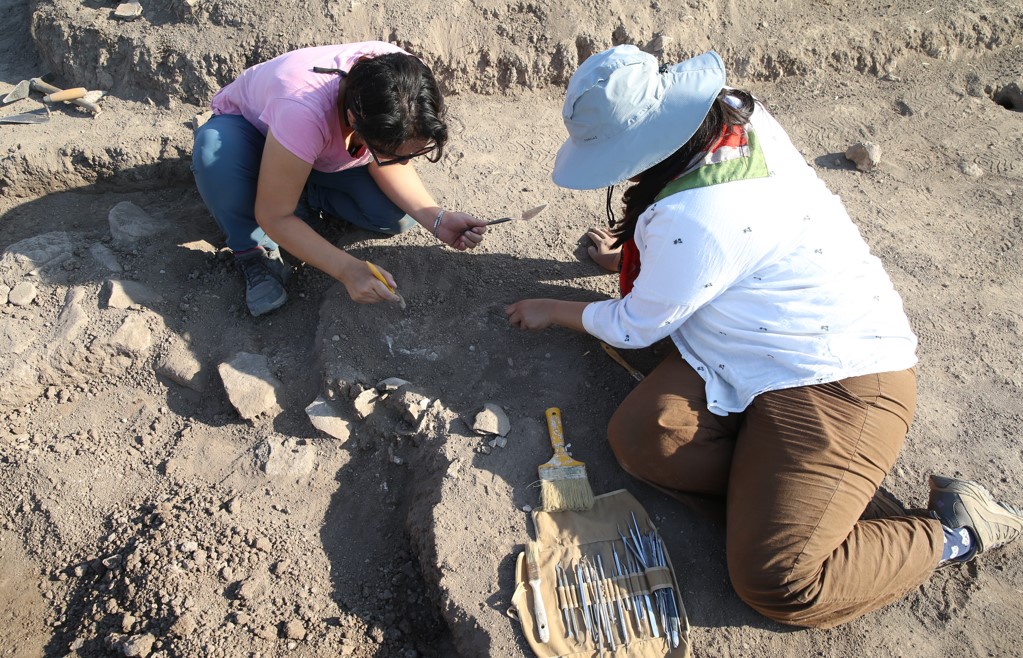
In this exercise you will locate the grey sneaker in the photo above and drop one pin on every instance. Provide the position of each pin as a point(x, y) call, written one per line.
point(265, 274)
point(959, 503)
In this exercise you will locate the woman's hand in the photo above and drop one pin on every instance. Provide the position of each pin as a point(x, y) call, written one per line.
point(363, 287)
point(461, 230)
point(531, 313)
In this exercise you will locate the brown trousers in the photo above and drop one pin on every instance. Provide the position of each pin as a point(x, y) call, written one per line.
point(796, 469)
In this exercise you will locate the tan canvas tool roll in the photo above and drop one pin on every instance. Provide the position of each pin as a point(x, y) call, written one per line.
point(571, 539)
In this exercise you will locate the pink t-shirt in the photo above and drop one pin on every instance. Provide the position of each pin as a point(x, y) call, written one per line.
point(299, 107)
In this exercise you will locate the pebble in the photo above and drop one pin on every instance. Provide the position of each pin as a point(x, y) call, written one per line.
point(128, 10)
point(23, 294)
point(294, 630)
point(866, 155)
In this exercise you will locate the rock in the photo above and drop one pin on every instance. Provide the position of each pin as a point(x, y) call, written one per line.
point(286, 458)
point(498, 442)
point(5, 293)
point(23, 294)
point(199, 119)
point(390, 384)
point(251, 589)
point(262, 544)
point(128, 11)
point(179, 365)
point(971, 169)
point(40, 250)
point(365, 402)
point(138, 646)
point(103, 255)
point(324, 418)
point(266, 632)
point(125, 294)
point(492, 420)
point(133, 337)
point(185, 625)
point(129, 224)
point(294, 630)
point(250, 386)
point(866, 155)
point(409, 404)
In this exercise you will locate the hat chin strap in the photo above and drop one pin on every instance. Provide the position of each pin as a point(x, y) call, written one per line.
point(609, 208)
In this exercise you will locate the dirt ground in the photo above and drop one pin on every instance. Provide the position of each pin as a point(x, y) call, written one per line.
point(157, 503)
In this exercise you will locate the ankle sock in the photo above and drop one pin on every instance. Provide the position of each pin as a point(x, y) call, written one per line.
point(959, 544)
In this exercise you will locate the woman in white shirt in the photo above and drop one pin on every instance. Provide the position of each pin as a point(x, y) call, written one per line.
point(792, 388)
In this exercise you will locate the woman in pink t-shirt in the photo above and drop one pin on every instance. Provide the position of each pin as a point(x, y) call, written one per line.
point(325, 131)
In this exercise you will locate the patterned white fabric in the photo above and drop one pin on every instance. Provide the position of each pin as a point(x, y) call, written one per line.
point(762, 284)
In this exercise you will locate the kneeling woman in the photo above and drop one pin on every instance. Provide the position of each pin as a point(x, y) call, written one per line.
point(792, 387)
point(341, 124)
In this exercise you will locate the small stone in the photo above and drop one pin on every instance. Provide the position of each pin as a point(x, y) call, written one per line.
point(266, 632)
point(262, 544)
point(365, 402)
point(190, 546)
point(199, 119)
point(492, 420)
point(23, 294)
point(294, 630)
point(323, 417)
point(138, 646)
point(971, 169)
point(866, 155)
point(128, 11)
point(5, 293)
point(390, 384)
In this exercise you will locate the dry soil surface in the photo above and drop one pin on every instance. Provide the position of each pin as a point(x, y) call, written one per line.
point(158, 501)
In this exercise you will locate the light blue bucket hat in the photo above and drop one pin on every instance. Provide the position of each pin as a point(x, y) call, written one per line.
point(624, 116)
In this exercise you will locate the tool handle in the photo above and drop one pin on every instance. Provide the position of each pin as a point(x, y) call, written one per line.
point(500, 221)
point(380, 277)
point(65, 95)
point(613, 353)
point(556, 431)
point(42, 87)
point(540, 612)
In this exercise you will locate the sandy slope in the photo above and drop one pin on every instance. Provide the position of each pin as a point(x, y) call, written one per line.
point(142, 514)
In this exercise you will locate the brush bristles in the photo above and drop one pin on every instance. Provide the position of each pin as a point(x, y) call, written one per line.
point(572, 494)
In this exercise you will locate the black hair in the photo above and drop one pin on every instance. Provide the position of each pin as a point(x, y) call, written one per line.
point(395, 98)
point(639, 196)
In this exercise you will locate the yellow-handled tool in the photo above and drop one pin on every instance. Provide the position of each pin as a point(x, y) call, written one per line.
point(380, 277)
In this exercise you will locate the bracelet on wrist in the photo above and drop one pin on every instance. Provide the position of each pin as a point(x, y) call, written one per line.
point(436, 222)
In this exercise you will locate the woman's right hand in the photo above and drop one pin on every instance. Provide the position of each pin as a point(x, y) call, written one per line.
point(363, 287)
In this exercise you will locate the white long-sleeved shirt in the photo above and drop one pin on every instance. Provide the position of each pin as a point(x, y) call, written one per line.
point(762, 284)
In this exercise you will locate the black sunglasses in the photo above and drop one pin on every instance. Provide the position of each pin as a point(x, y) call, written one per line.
point(390, 158)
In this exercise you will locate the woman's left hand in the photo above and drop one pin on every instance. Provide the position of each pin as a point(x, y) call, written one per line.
point(461, 230)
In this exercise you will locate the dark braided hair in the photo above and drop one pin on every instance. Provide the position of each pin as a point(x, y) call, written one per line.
point(639, 196)
point(395, 98)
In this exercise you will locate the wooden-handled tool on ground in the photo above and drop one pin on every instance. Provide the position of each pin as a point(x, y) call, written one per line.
point(55, 94)
point(65, 95)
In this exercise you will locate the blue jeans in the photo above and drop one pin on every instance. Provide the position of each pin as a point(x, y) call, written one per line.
point(225, 162)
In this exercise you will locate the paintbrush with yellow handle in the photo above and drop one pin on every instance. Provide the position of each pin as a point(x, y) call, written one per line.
point(380, 277)
point(539, 609)
point(563, 483)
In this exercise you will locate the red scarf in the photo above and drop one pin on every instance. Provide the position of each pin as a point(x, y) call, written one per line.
point(734, 137)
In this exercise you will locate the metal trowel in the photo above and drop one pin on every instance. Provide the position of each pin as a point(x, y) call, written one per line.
point(20, 91)
point(528, 214)
point(42, 115)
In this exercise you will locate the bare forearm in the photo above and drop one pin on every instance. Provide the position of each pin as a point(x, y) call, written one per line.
point(300, 240)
